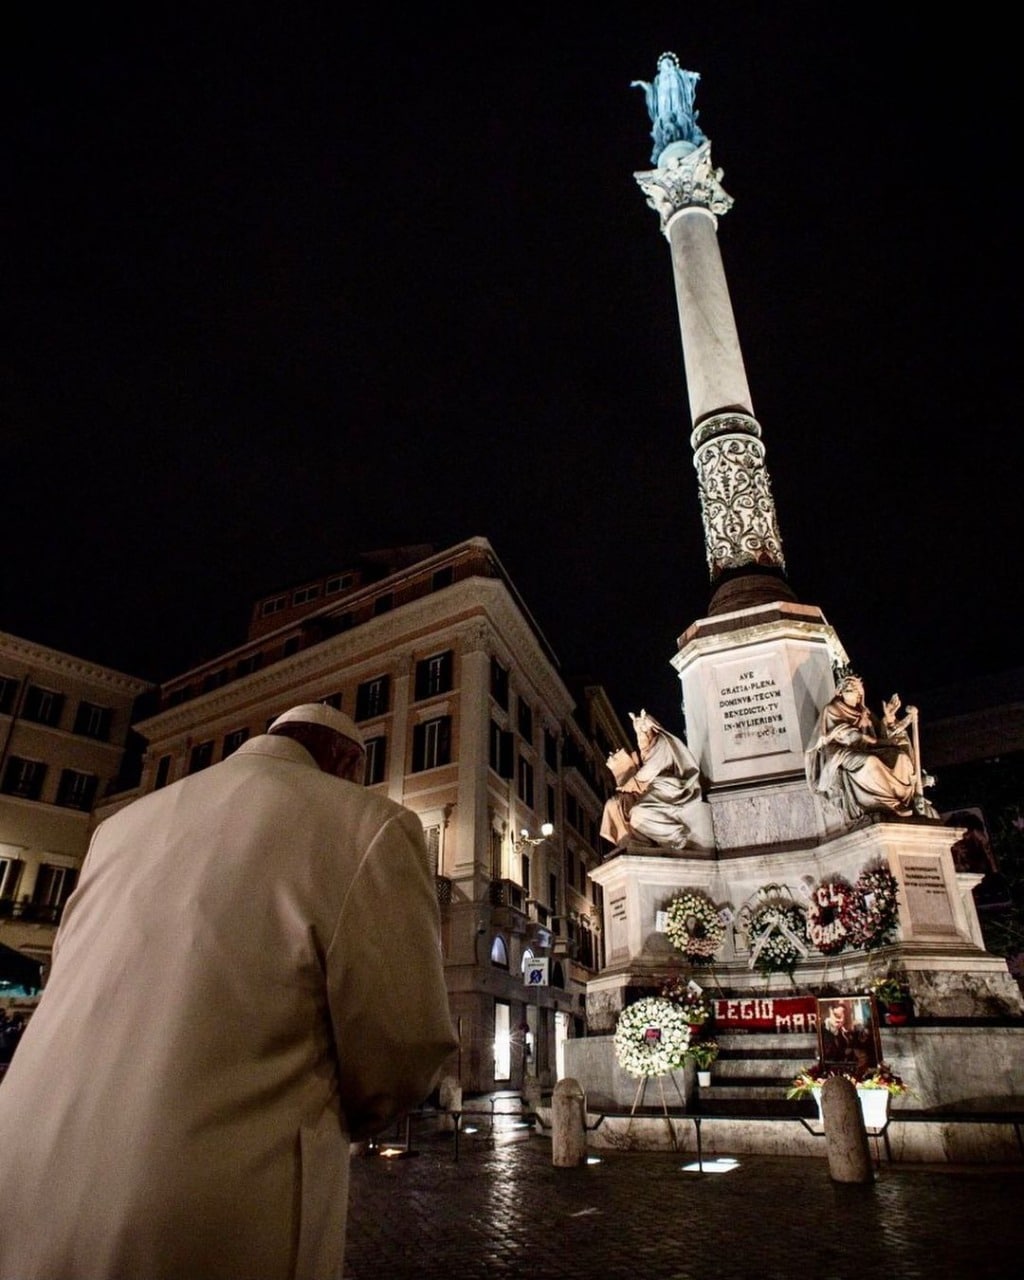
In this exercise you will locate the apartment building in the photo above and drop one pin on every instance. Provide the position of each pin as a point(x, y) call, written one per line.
point(64, 726)
point(469, 723)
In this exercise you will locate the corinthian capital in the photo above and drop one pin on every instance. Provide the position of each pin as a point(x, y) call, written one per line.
point(684, 180)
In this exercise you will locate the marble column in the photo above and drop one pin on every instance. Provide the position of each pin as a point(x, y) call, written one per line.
point(740, 527)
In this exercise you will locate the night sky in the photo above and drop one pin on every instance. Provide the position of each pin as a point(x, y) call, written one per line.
point(277, 291)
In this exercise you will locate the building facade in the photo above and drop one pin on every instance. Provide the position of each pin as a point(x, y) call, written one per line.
point(469, 723)
point(64, 725)
point(973, 741)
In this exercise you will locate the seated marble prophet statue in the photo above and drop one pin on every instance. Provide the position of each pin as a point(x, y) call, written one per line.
point(864, 762)
point(654, 789)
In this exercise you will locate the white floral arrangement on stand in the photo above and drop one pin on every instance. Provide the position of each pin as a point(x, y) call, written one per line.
point(778, 937)
point(651, 1037)
point(694, 926)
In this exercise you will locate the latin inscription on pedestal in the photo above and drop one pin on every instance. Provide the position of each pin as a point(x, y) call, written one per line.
point(748, 709)
point(927, 895)
point(617, 937)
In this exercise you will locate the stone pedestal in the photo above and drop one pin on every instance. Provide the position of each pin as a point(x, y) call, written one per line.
point(939, 942)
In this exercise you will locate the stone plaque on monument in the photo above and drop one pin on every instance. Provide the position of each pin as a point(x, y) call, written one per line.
point(926, 894)
point(618, 940)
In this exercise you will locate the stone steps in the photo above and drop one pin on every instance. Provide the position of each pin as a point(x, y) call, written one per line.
point(753, 1073)
point(769, 1099)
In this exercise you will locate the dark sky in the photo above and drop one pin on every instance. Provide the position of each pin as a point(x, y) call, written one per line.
point(277, 291)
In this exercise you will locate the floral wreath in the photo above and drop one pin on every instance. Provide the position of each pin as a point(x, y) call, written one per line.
point(872, 914)
point(651, 1037)
point(829, 915)
point(706, 937)
point(777, 933)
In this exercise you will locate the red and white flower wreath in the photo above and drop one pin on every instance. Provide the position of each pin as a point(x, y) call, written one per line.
point(828, 914)
point(873, 914)
point(703, 938)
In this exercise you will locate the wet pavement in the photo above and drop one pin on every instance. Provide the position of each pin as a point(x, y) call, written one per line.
point(502, 1209)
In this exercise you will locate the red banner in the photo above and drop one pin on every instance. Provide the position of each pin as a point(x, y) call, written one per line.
point(760, 1013)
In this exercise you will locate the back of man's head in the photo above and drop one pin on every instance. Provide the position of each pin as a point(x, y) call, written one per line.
point(331, 737)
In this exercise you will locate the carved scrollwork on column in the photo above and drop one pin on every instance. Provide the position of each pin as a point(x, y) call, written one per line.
point(735, 495)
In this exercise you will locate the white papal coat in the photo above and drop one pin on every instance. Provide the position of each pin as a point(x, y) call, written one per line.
point(247, 975)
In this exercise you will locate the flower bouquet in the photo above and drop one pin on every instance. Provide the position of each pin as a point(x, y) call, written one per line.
point(689, 999)
point(874, 1088)
point(883, 1077)
point(813, 1077)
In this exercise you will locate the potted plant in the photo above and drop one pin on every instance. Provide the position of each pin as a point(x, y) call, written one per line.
point(893, 996)
point(702, 1053)
point(874, 1089)
point(809, 1081)
point(883, 1077)
point(696, 1007)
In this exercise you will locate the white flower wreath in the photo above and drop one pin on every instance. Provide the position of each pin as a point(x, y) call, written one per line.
point(778, 937)
point(828, 915)
point(701, 938)
point(651, 1037)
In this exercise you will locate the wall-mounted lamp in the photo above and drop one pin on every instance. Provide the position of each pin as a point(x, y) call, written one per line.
point(524, 837)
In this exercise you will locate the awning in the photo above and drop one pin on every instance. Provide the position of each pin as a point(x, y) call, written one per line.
point(19, 970)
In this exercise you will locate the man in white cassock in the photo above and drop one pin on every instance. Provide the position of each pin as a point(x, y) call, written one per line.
point(247, 978)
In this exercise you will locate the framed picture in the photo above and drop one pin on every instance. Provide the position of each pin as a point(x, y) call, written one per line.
point(848, 1033)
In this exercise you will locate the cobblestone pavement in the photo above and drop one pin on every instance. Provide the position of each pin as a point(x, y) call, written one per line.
point(502, 1209)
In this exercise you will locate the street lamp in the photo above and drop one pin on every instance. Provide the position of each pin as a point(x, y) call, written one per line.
point(525, 841)
point(525, 838)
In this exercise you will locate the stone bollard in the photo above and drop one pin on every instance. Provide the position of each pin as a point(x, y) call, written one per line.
point(449, 1097)
point(846, 1139)
point(568, 1125)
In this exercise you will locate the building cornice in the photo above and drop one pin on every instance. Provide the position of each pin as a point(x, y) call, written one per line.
point(40, 657)
point(464, 612)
